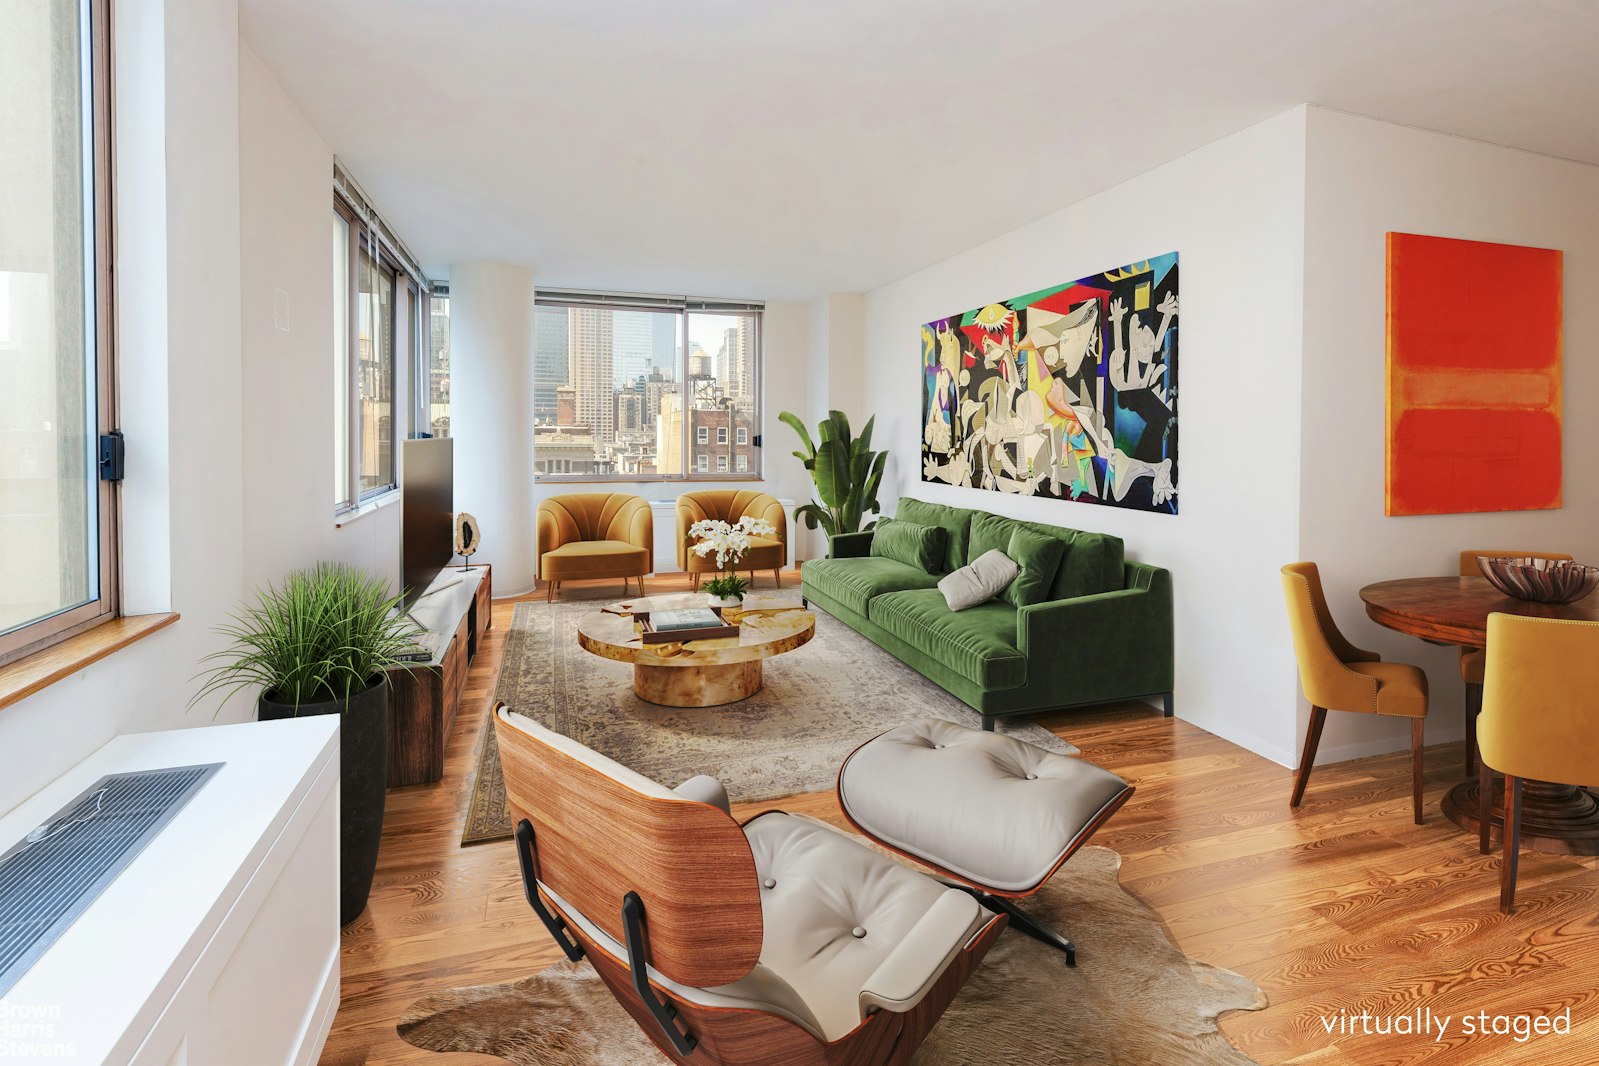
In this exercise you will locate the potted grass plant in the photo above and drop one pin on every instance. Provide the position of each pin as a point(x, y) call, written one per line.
point(320, 643)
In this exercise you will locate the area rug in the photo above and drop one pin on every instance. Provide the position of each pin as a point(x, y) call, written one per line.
point(819, 703)
point(1134, 998)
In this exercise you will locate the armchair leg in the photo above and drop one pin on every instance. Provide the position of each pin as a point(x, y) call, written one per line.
point(1507, 872)
point(549, 592)
point(1318, 718)
point(1485, 805)
point(777, 576)
point(641, 585)
point(1473, 708)
point(1417, 731)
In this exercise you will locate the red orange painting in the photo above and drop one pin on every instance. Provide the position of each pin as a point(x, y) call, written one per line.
point(1473, 376)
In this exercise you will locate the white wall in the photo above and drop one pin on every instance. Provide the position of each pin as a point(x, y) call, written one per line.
point(1233, 212)
point(178, 253)
point(286, 243)
point(1363, 179)
point(491, 413)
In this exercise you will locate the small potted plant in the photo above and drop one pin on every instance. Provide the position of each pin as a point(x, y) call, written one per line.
point(319, 643)
point(725, 590)
point(728, 541)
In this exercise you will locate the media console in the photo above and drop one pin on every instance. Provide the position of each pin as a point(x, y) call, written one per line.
point(424, 696)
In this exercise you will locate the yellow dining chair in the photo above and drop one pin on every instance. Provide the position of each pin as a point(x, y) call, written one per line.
point(595, 535)
point(1472, 659)
point(727, 505)
point(1539, 719)
point(1338, 676)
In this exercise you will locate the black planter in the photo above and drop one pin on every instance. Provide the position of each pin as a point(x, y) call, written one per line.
point(363, 783)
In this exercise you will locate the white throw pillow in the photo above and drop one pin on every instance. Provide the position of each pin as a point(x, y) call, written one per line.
point(978, 582)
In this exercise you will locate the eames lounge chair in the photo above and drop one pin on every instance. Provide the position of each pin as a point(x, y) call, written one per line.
point(778, 941)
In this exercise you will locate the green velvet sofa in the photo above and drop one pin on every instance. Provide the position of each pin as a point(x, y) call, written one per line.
point(1103, 633)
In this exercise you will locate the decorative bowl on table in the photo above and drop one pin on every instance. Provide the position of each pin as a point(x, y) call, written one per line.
point(1539, 580)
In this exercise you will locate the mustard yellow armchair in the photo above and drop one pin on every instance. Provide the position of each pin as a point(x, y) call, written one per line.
point(595, 535)
point(1539, 721)
point(1336, 675)
point(766, 553)
point(1472, 660)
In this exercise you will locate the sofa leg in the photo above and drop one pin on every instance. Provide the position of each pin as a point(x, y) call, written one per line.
point(988, 723)
point(1166, 704)
point(805, 603)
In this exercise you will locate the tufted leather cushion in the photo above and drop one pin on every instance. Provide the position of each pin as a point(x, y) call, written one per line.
point(979, 643)
point(833, 911)
point(987, 808)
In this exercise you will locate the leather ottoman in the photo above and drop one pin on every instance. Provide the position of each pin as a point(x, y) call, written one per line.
point(994, 815)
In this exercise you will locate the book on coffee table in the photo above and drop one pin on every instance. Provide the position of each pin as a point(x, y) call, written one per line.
point(685, 624)
point(686, 618)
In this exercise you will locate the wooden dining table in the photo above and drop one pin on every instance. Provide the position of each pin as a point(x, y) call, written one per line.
point(1557, 818)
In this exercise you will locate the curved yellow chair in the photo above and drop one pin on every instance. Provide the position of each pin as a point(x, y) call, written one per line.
point(1539, 719)
point(595, 535)
point(1472, 659)
point(727, 505)
point(1338, 676)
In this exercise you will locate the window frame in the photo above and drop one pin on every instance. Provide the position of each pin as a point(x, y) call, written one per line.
point(362, 239)
point(96, 126)
point(683, 307)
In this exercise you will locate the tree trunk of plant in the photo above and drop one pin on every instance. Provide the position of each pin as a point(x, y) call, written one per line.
point(363, 782)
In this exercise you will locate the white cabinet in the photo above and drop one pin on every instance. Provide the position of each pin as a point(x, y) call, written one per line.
point(220, 943)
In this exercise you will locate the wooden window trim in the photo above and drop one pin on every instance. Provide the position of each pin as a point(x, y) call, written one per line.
point(39, 636)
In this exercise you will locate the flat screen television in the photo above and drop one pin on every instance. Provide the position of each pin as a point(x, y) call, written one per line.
point(427, 503)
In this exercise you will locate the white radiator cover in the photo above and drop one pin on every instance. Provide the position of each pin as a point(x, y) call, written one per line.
point(219, 944)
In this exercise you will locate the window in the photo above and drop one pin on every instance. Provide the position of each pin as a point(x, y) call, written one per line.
point(437, 395)
point(376, 316)
point(743, 463)
point(57, 518)
point(630, 387)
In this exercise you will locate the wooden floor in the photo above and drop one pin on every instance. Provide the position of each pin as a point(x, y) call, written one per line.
point(1344, 905)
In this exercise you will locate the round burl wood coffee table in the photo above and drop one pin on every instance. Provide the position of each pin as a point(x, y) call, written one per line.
point(699, 673)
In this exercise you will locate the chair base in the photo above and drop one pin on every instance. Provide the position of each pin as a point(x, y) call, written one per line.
point(1020, 920)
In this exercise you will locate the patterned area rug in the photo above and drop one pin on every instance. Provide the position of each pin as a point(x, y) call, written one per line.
point(1134, 998)
point(819, 703)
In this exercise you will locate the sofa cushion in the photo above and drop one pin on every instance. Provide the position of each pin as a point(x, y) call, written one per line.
point(1091, 563)
point(853, 582)
point(594, 558)
point(956, 521)
point(1038, 558)
point(910, 543)
point(978, 643)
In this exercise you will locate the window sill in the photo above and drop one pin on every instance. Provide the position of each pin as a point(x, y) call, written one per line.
point(31, 673)
point(376, 503)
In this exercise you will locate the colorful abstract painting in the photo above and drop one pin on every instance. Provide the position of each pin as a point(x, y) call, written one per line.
point(1068, 393)
point(1473, 376)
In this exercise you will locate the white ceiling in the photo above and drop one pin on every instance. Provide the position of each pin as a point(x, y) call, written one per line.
point(781, 150)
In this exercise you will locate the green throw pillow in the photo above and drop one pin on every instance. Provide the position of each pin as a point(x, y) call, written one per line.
point(1038, 557)
point(909, 543)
